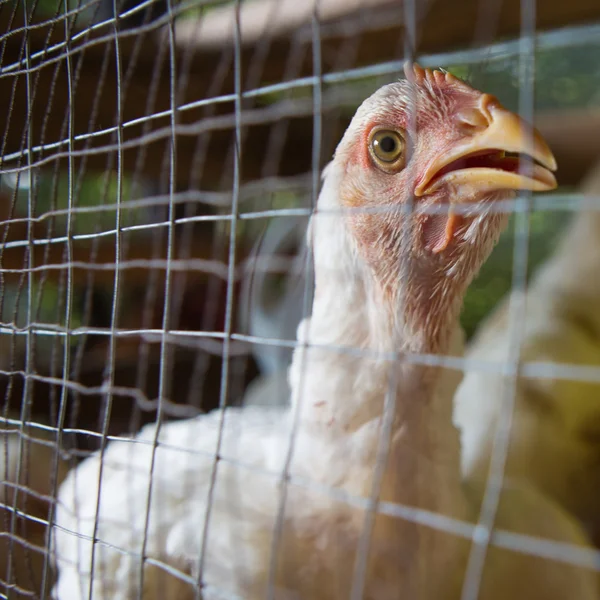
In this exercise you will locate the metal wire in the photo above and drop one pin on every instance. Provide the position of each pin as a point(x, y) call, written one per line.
point(495, 481)
point(139, 238)
point(565, 38)
point(28, 358)
point(277, 540)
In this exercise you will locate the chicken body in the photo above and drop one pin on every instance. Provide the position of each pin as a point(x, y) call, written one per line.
point(320, 531)
point(383, 283)
point(243, 520)
point(554, 442)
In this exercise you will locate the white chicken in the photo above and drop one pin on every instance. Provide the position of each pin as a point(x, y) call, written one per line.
point(555, 437)
point(387, 284)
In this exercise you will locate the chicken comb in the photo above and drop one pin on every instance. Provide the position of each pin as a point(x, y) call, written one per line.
point(418, 75)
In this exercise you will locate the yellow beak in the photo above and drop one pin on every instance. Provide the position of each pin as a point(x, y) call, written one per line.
point(503, 132)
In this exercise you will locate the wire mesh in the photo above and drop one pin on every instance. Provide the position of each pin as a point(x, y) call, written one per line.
point(150, 154)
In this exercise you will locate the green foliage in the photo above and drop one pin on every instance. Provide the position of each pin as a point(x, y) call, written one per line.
point(95, 191)
point(495, 278)
point(564, 77)
point(51, 199)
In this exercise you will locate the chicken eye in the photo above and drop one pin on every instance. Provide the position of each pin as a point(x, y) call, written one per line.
point(387, 149)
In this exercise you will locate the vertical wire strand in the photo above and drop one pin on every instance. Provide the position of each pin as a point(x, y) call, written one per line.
point(110, 371)
point(27, 389)
point(486, 25)
point(304, 347)
point(359, 580)
point(229, 298)
point(164, 356)
point(483, 532)
point(67, 307)
point(13, 338)
point(68, 304)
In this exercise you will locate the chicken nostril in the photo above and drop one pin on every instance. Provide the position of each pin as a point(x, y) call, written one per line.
point(472, 120)
point(487, 104)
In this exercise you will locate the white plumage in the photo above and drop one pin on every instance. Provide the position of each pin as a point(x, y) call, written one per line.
point(383, 283)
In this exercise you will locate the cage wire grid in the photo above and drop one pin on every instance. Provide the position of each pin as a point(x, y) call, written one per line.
point(299, 96)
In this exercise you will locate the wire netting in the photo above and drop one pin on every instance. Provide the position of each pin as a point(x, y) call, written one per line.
point(158, 166)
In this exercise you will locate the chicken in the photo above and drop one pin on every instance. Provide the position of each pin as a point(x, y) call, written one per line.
point(555, 438)
point(388, 284)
